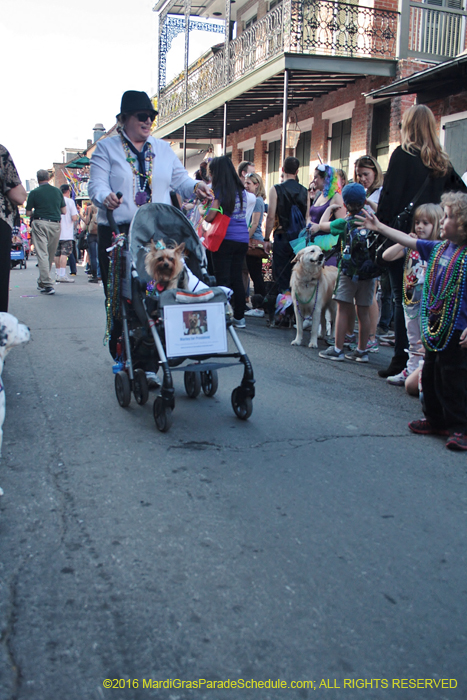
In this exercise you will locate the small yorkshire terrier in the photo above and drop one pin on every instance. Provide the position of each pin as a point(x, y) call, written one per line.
point(166, 265)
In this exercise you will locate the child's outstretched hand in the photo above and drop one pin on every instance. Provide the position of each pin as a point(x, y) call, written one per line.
point(367, 220)
point(463, 339)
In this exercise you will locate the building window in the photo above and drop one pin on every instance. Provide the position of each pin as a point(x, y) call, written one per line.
point(340, 145)
point(303, 153)
point(273, 4)
point(274, 162)
point(251, 21)
point(455, 143)
point(380, 134)
point(442, 34)
point(249, 155)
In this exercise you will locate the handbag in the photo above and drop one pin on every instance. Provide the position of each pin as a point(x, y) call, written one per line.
point(402, 222)
point(256, 249)
point(82, 243)
point(213, 233)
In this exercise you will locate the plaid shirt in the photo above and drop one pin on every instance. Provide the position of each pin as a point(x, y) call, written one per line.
point(9, 179)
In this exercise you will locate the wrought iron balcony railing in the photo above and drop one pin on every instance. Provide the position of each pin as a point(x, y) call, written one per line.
point(324, 28)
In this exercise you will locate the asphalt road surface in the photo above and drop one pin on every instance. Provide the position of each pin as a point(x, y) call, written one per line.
point(318, 544)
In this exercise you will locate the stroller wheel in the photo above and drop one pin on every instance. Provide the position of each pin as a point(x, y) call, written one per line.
point(242, 405)
point(123, 389)
point(162, 415)
point(209, 382)
point(192, 384)
point(140, 387)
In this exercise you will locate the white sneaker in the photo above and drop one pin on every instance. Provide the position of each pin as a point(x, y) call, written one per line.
point(66, 278)
point(239, 322)
point(259, 313)
point(398, 379)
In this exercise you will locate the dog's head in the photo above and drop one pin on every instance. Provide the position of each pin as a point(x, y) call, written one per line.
point(194, 320)
point(12, 333)
point(164, 264)
point(310, 258)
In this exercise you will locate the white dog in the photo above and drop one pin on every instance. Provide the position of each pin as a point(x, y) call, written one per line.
point(11, 333)
point(312, 287)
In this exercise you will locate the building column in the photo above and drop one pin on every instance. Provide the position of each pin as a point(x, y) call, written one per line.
point(227, 43)
point(224, 131)
point(187, 47)
point(184, 145)
point(284, 114)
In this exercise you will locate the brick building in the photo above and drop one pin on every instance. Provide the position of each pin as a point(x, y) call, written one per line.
point(327, 65)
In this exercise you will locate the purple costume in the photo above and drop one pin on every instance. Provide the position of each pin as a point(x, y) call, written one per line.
point(317, 212)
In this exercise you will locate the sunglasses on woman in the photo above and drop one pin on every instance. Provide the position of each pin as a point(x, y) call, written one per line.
point(144, 116)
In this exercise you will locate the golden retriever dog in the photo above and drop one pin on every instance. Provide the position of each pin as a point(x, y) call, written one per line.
point(166, 266)
point(312, 287)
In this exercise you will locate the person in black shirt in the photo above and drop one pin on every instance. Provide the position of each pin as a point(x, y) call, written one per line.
point(281, 199)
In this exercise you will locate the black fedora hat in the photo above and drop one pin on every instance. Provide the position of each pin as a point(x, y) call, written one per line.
point(134, 101)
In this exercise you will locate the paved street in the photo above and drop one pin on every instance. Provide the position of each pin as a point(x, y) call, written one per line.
point(319, 541)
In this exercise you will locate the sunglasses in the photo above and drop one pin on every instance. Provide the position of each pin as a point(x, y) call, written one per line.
point(144, 116)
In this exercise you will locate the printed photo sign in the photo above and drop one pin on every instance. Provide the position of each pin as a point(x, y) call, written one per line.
point(195, 329)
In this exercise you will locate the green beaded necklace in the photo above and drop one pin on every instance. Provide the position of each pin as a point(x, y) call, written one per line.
point(443, 293)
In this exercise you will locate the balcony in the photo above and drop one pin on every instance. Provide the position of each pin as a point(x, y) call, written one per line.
point(332, 37)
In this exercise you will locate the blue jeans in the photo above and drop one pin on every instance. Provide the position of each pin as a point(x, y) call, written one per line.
point(92, 248)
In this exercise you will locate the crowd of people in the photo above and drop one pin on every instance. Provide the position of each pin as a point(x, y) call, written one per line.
point(411, 295)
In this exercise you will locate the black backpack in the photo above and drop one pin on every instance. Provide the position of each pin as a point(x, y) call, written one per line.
point(296, 220)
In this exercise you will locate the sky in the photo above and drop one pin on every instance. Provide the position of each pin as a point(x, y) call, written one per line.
point(66, 66)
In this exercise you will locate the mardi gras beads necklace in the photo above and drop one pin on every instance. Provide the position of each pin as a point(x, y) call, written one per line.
point(411, 303)
point(140, 191)
point(443, 294)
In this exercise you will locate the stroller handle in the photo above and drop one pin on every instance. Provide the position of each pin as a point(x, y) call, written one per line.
point(111, 219)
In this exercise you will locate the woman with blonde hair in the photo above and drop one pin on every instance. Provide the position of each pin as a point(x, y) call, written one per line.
point(254, 184)
point(419, 172)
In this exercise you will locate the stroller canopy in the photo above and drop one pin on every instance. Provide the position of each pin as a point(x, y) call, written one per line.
point(167, 223)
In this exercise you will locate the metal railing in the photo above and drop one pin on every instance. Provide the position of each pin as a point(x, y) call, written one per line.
point(435, 32)
point(323, 27)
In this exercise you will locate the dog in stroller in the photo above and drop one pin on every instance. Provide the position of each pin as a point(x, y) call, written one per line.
point(155, 318)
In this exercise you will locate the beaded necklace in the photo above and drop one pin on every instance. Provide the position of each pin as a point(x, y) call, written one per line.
point(411, 306)
point(300, 301)
point(141, 181)
point(443, 293)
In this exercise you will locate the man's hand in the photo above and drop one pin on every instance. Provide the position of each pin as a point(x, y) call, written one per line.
point(112, 201)
point(203, 191)
point(267, 246)
point(463, 339)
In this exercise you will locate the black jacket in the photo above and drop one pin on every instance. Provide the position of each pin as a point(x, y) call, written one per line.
point(405, 176)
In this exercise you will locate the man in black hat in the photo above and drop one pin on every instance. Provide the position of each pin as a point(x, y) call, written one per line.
point(143, 169)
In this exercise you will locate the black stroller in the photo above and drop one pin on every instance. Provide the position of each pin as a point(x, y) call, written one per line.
point(166, 329)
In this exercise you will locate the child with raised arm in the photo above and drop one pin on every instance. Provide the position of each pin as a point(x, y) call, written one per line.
point(356, 282)
point(443, 321)
point(426, 226)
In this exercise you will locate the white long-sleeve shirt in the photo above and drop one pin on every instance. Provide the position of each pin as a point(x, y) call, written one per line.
point(111, 172)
